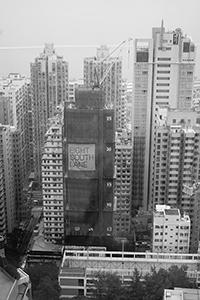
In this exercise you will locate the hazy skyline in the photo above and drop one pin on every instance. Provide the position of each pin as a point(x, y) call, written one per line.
point(83, 25)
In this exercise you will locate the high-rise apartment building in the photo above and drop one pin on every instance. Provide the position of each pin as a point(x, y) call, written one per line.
point(49, 89)
point(171, 230)
point(176, 164)
point(5, 110)
point(89, 149)
point(123, 183)
point(129, 104)
point(22, 204)
point(2, 203)
point(123, 105)
point(109, 72)
point(163, 75)
point(52, 181)
point(14, 102)
point(6, 156)
point(15, 111)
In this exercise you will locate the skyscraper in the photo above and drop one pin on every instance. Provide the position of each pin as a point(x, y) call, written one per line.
point(163, 75)
point(52, 181)
point(14, 104)
point(123, 183)
point(49, 89)
point(89, 149)
point(15, 111)
point(8, 177)
point(109, 72)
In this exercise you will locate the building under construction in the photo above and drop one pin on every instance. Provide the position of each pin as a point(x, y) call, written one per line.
point(89, 147)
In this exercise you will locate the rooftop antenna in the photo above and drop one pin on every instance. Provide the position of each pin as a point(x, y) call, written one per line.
point(161, 34)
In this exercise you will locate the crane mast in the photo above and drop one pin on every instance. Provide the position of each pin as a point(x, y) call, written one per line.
point(99, 81)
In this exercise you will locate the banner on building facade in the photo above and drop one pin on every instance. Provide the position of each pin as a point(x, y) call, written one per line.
point(81, 157)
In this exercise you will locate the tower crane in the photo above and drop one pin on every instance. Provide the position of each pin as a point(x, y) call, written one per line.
point(99, 81)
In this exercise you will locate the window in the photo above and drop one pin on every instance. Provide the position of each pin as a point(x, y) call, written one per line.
point(162, 84)
point(164, 65)
point(164, 58)
point(162, 91)
point(191, 48)
point(186, 47)
point(163, 78)
point(142, 56)
point(162, 97)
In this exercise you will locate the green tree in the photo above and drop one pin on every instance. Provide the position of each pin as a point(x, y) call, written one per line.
point(156, 281)
point(136, 290)
point(107, 286)
point(46, 290)
point(44, 276)
point(178, 277)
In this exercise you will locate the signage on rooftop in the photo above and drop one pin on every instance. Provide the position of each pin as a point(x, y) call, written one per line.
point(81, 157)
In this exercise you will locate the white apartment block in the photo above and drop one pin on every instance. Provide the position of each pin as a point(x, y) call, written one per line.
point(109, 72)
point(171, 230)
point(176, 164)
point(52, 182)
point(49, 89)
point(123, 183)
point(6, 154)
point(163, 75)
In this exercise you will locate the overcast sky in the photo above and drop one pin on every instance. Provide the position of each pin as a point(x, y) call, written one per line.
point(87, 22)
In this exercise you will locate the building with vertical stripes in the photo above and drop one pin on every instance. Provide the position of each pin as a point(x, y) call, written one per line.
point(123, 183)
point(163, 75)
point(6, 155)
point(52, 181)
point(49, 89)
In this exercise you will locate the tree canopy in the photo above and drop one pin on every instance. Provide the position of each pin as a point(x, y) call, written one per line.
point(44, 280)
point(108, 286)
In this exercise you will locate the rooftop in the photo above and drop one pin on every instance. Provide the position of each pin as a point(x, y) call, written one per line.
point(170, 212)
point(181, 294)
point(6, 283)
